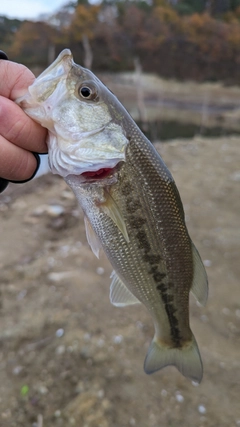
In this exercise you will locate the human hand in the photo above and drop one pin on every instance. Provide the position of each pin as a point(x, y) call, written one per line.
point(19, 135)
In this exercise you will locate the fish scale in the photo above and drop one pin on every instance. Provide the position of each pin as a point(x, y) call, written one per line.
point(132, 206)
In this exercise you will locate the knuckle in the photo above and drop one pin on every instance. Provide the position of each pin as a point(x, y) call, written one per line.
point(12, 124)
point(16, 130)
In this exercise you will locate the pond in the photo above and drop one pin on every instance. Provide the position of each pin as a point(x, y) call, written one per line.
point(164, 130)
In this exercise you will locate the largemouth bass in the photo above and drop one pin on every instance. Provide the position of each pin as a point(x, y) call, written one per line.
point(131, 204)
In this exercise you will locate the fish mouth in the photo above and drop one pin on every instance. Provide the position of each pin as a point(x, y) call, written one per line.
point(103, 175)
point(98, 174)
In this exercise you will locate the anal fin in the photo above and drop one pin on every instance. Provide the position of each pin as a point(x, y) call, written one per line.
point(120, 296)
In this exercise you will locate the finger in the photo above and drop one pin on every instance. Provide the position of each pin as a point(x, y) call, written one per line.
point(18, 128)
point(14, 79)
point(16, 164)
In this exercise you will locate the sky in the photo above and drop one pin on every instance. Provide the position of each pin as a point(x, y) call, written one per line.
point(29, 8)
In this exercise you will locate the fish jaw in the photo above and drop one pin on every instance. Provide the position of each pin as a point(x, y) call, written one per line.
point(38, 101)
point(83, 136)
point(90, 153)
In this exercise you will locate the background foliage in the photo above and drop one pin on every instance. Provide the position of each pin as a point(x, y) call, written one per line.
point(184, 39)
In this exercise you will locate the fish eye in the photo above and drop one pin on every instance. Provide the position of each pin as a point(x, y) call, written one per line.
point(86, 92)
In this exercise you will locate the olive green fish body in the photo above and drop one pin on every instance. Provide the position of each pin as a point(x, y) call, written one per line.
point(132, 206)
point(156, 265)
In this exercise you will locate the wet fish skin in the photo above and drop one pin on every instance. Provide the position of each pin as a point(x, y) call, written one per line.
point(137, 215)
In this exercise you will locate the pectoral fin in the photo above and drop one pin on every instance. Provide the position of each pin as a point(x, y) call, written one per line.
point(120, 296)
point(200, 280)
point(92, 238)
point(111, 209)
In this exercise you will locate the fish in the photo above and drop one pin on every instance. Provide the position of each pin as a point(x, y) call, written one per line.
point(131, 205)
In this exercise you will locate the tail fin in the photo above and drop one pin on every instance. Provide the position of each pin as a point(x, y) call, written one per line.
point(187, 359)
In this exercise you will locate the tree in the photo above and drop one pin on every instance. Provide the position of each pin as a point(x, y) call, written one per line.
point(188, 7)
point(31, 44)
point(8, 29)
point(82, 28)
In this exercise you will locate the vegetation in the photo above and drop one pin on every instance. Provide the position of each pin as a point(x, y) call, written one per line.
point(184, 39)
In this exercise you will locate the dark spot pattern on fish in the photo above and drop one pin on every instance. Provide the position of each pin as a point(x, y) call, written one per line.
point(131, 208)
point(143, 240)
point(135, 221)
point(168, 301)
point(127, 189)
point(138, 223)
point(157, 276)
point(153, 259)
point(154, 269)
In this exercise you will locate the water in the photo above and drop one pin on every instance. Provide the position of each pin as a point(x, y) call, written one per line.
point(169, 129)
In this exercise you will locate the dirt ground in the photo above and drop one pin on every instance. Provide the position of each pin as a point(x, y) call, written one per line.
point(69, 358)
